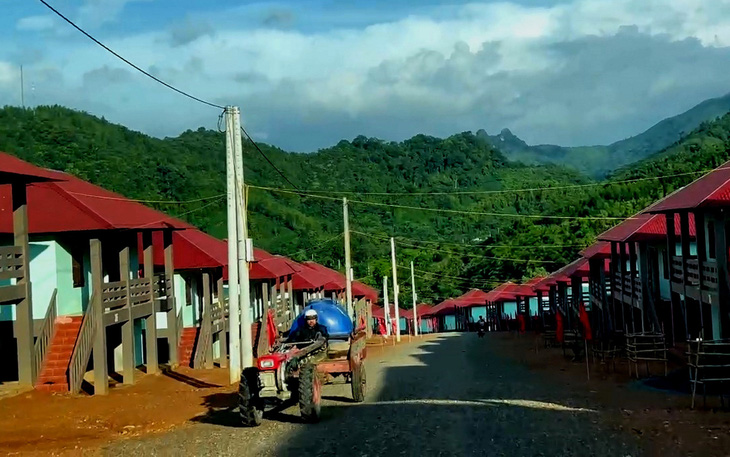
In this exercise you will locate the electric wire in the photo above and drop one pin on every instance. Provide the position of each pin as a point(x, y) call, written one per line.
point(155, 78)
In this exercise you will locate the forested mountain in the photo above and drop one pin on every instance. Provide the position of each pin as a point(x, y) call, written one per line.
point(516, 234)
point(599, 160)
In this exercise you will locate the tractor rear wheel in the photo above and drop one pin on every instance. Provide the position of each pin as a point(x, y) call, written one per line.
point(359, 382)
point(310, 393)
point(250, 405)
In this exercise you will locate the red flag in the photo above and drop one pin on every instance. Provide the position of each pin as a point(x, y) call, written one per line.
point(381, 327)
point(271, 328)
point(559, 336)
point(521, 322)
point(583, 316)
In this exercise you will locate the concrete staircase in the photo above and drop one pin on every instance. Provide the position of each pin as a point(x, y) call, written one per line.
point(54, 372)
point(186, 349)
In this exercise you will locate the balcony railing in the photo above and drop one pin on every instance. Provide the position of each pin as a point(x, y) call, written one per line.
point(709, 272)
point(11, 268)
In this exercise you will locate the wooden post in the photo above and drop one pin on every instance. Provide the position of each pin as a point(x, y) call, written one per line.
point(223, 336)
point(369, 323)
point(635, 295)
point(648, 303)
point(292, 302)
point(265, 298)
point(685, 240)
point(24, 309)
point(701, 260)
point(128, 362)
point(723, 280)
point(208, 317)
point(151, 320)
point(671, 251)
point(622, 283)
point(101, 373)
point(172, 331)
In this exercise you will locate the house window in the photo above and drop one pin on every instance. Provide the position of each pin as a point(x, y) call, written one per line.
point(77, 267)
point(665, 266)
point(711, 239)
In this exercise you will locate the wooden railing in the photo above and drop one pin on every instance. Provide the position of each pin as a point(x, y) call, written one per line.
point(139, 291)
point(203, 344)
point(219, 312)
point(84, 345)
point(11, 262)
point(709, 272)
point(114, 295)
point(161, 285)
point(44, 337)
point(11, 267)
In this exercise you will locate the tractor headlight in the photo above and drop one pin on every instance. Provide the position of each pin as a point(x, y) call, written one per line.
point(266, 363)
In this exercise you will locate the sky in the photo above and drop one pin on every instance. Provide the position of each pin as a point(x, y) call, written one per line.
point(308, 73)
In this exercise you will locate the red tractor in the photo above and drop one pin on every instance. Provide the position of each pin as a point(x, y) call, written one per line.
point(295, 372)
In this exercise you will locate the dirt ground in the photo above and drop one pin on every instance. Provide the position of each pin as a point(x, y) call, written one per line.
point(36, 423)
point(432, 391)
point(656, 411)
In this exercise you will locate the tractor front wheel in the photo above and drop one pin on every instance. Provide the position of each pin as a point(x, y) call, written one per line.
point(310, 393)
point(359, 382)
point(250, 405)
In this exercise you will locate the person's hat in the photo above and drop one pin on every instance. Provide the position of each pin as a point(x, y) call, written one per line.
point(310, 314)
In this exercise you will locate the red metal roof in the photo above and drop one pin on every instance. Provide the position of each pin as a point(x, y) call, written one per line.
point(362, 290)
point(711, 190)
point(578, 268)
point(472, 298)
point(423, 309)
point(335, 280)
point(445, 307)
point(503, 292)
point(73, 205)
point(191, 249)
point(644, 227)
point(271, 268)
point(600, 249)
point(379, 312)
point(14, 169)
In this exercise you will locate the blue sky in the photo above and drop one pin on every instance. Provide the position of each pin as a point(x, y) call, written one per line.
point(309, 73)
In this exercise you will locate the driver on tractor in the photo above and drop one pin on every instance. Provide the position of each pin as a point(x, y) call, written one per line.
point(309, 332)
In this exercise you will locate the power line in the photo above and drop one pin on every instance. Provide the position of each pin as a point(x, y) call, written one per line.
point(170, 202)
point(477, 256)
point(509, 191)
point(314, 248)
point(443, 210)
point(484, 246)
point(169, 86)
point(281, 173)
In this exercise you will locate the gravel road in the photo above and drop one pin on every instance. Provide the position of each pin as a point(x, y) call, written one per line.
point(447, 395)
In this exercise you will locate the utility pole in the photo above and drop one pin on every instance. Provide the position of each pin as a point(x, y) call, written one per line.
point(387, 306)
point(415, 298)
point(233, 292)
point(245, 248)
point(348, 260)
point(395, 289)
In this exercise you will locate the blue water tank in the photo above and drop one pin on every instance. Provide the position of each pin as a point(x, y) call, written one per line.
point(331, 314)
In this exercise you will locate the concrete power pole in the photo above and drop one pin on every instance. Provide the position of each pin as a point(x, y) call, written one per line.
point(415, 298)
point(233, 292)
point(395, 289)
point(245, 247)
point(348, 260)
point(387, 306)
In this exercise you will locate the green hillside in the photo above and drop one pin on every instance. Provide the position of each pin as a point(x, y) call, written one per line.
point(600, 160)
point(447, 248)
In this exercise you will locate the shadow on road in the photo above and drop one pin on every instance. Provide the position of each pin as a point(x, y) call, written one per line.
point(454, 396)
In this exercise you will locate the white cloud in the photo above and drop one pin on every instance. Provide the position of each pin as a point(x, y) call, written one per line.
point(582, 72)
point(36, 23)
